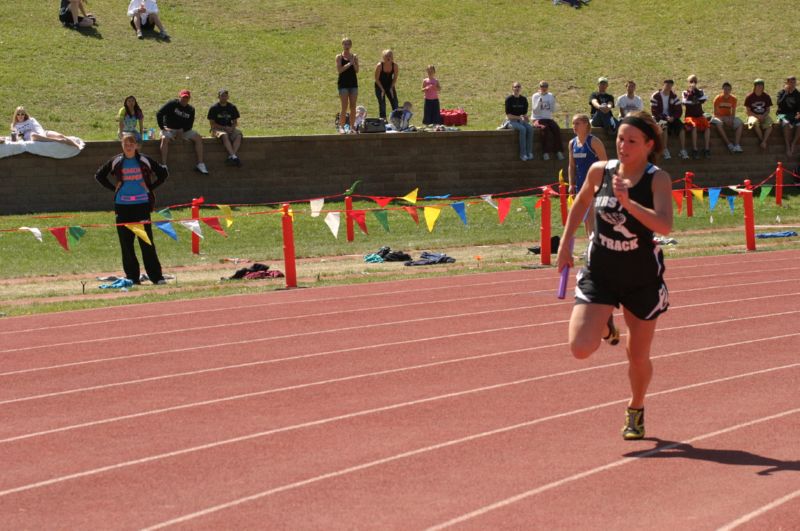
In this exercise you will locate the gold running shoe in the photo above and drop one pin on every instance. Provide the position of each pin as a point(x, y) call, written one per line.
point(634, 424)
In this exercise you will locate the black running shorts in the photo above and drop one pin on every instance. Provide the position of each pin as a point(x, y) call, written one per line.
point(645, 301)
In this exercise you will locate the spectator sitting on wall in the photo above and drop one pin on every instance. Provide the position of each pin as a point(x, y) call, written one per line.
point(629, 102)
point(144, 16)
point(693, 99)
point(757, 105)
point(175, 120)
point(26, 127)
point(666, 110)
point(600, 105)
point(517, 117)
point(72, 14)
point(224, 117)
point(543, 106)
point(725, 116)
point(789, 113)
point(131, 119)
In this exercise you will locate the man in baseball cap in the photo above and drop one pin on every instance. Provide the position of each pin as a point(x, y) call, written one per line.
point(224, 117)
point(600, 105)
point(757, 105)
point(175, 120)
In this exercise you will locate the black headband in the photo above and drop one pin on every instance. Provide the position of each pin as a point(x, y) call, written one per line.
point(641, 125)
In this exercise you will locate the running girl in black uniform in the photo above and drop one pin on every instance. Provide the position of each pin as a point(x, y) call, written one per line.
point(632, 200)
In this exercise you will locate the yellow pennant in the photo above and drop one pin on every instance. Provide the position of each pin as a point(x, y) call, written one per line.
point(570, 200)
point(561, 177)
point(411, 197)
point(431, 215)
point(227, 214)
point(138, 230)
point(698, 195)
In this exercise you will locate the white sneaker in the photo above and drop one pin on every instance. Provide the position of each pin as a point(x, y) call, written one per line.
point(683, 154)
point(738, 148)
point(546, 156)
point(560, 156)
point(667, 156)
point(201, 167)
point(731, 148)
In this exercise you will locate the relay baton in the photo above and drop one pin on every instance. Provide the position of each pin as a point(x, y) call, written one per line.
point(562, 283)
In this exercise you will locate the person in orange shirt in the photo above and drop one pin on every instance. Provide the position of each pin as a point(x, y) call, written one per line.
point(725, 116)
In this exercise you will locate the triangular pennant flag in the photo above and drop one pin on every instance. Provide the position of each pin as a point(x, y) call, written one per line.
point(530, 206)
point(539, 203)
point(167, 228)
point(193, 225)
point(411, 196)
point(678, 196)
point(33, 230)
point(488, 199)
point(731, 199)
point(503, 206)
point(431, 215)
point(765, 190)
point(698, 194)
point(138, 230)
point(383, 218)
point(75, 234)
point(359, 216)
point(382, 201)
point(165, 213)
point(711, 219)
point(561, 176)
point(352, 188)
point(461, 210)
point(412, 211)
point(60, 234)
point(214, 224)
point(713, 197)
point(227, 214)
point(316, 207)
point(332, 221)
point(445, 196)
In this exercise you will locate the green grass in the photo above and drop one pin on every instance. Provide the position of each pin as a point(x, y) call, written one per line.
point(277, 56)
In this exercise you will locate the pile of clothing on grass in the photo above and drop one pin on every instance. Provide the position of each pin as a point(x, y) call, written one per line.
point(254, 272)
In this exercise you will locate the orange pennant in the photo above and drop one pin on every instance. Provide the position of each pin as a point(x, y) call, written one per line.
point(678, 196)
point(503, 206)
point(214, 224)
point(412, 212)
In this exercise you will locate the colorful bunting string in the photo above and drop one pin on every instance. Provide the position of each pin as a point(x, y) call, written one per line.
point(431, 215)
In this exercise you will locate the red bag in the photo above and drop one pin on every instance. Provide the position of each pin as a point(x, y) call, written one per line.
point(453, 117)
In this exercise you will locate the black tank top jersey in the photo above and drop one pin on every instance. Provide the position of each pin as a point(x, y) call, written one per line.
point(348, 78)
point(386, 78)
point(621, 249)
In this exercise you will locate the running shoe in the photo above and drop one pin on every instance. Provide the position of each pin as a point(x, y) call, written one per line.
point(613, 332)
point(634, 424)
point(682, 154)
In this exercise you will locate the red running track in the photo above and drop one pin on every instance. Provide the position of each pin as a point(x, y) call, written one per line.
point(416, 404)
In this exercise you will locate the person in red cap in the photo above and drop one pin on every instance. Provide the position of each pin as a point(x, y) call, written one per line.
point(175, 120)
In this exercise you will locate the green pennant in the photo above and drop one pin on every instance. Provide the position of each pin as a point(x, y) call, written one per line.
point(74, 234)
point(530, 205)
point(165, 213)
point(352, 188)
point(765, 190)
point(383, 218)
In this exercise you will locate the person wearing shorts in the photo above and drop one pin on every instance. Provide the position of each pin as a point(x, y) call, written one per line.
point(70, 15)
point(632, 200)
point(757, 105)
point(347, 68)
point(789, 113)
point(725, 116)
point(666, 109)
point(144, 16)
point(224, 118)
point(584, 150)
point(695, 120)
point(175, 120)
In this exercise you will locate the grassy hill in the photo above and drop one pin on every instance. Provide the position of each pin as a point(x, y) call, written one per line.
point(277, 56)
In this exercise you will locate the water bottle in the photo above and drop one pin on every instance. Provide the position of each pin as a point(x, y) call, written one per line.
point(146, 134)
point(152, 133)
point(346, 129)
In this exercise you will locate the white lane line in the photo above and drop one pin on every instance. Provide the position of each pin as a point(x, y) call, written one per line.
point(758, 512)
point(363, 347)
point(386, 372)
point(477, 436)
point(593, 471)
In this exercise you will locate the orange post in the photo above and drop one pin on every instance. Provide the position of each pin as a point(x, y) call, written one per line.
point(749, 217)
point(545, 231)
point(562, 195)
point(348, 207)
point(688, 193)
point(196, 202)
point(288, 248)
point(779, 185)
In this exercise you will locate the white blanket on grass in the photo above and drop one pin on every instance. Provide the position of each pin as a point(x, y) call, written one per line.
point(55, 150)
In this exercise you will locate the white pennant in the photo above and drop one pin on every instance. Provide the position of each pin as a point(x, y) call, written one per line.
point(316, 207)
point(193, 225)
point(33, 230)
point(488, 199)
point(332, 220)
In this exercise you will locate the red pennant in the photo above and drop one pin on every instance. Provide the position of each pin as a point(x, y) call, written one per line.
point(359, 217)
point(412, 212)
point(503, 206)
point(678, 196)
point(214, 224)
point(539, 203)
point(61, 235)
point(382, 201)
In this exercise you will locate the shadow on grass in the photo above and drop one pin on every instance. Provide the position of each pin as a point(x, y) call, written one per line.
point(90, 31)
point(671, 449)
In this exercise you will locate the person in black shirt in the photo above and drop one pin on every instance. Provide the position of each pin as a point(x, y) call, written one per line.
point(601, 103)
point(517, 118)
point(789, 113)
point(224, 117)
point(175, 120)
point(347, 68)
